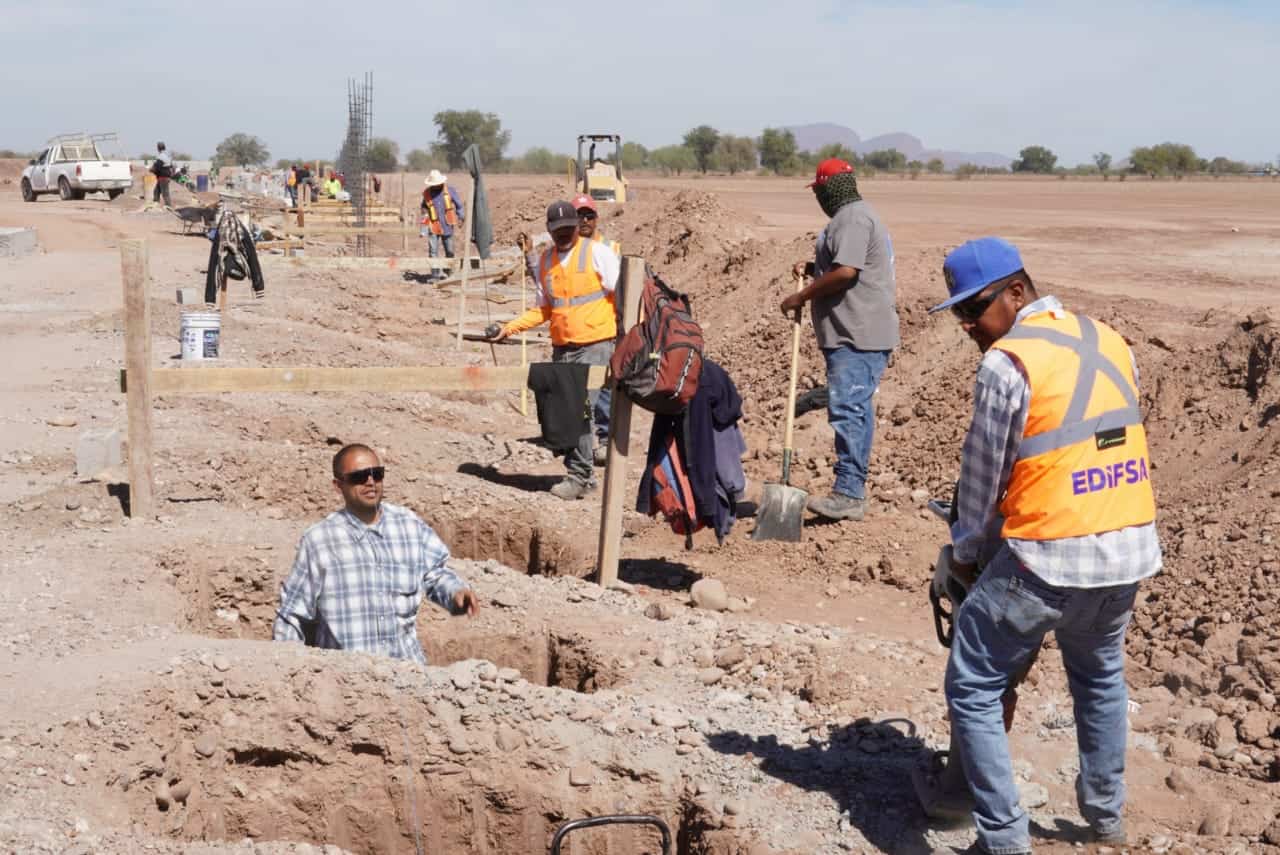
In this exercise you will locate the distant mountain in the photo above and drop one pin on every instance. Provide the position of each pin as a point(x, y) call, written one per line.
point(815, 136)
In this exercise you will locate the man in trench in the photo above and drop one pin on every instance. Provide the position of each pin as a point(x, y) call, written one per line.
point(361, 573)
point(856, 324)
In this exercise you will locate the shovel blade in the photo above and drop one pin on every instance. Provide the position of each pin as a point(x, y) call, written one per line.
point(781, 513)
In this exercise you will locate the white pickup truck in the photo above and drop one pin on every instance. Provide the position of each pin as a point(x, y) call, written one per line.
point(72, 166)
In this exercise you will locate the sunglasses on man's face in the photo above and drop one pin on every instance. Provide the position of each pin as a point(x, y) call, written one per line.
point(586, 215)
point(975, 307)
point(360, 476)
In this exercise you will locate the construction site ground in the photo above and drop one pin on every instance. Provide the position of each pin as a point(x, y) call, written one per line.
point(143, 706)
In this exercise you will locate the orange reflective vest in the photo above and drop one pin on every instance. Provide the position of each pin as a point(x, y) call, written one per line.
point(1082, 466)
point(612, 244)
point(433, 216)
point(580, 309)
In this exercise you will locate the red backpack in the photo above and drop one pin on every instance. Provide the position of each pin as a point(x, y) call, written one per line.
point(659, 360)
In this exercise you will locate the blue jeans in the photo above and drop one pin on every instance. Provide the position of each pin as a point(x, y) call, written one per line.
point(435, 242)
point(852, 378)
point(578, 461)
point(999, 626)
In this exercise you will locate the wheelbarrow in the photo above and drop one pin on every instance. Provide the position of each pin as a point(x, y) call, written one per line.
point(615, 819)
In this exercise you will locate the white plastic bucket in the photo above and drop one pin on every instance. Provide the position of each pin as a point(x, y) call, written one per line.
point(200, 334)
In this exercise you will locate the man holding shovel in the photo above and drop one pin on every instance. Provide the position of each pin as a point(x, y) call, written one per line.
point(856, 322)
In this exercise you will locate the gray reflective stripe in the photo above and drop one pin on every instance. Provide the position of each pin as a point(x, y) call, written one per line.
point(1095, 359)
point(1070, 434)
point(1075, 427)
point(560, 302)
point(584, 252)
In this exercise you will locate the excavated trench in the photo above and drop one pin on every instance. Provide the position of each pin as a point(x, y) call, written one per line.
point(380, 760)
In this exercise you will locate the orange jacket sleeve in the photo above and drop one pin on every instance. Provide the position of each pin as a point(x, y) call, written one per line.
point(534, 317)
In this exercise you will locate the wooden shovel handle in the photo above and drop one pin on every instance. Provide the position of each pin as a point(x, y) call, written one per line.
point(791, 390)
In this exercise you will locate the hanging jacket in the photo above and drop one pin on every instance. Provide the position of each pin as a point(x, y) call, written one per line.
point(715, 479)
point(229, 239)
point(560, 395)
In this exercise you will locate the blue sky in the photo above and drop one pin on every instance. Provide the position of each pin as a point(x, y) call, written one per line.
point(1078, 77)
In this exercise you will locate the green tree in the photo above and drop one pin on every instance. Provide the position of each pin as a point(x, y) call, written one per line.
point(935, 166)
point(383, 155)
point(777, 149)
point(634, 156)
point(1167, 158)
point(673, 159)
point(1102, 160)
point(1035, 158)
point(241, 150)
point(419, 160)
point(914, 167)
point(284, 163)
point(965, 171)
point(702, 142)
point(457, 129)
point(540, 161)
point(736, 154)
point(837, 150)
point(1227, 166)
point(888, 159)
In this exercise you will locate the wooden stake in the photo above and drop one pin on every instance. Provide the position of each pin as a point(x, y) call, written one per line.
point(404, 218)
point(466, 260)
point(630, 284)
point(524, 348)
point(136, 273)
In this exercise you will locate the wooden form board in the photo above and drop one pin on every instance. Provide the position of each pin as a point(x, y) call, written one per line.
point(478, 378)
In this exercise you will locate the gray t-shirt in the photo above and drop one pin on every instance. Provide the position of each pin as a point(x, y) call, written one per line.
point(863, 315)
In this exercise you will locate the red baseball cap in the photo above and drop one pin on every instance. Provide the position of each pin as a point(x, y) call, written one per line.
point(829, 167)
point(582, 200)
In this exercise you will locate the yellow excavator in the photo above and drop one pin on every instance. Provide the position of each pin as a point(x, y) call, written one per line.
point(596, 177)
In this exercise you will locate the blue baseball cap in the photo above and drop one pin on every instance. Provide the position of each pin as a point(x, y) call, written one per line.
point(974, 265)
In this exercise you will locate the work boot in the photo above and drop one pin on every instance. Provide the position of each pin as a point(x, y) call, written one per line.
point(571, 488)
point(601, 455)
point(1113, 837)
point(837, 506)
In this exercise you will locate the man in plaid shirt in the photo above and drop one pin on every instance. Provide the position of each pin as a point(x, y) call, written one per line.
point(361, 573)
point(1057, 448)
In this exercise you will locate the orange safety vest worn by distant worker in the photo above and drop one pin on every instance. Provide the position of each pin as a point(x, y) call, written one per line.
point(432, 218)
point(613, 244)
point(581, 311)
point(1082, 466)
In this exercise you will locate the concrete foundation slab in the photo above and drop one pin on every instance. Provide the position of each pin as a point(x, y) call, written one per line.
point(16, 241)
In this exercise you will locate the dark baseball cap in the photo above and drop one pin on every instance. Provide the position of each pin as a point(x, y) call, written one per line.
point(561, 215)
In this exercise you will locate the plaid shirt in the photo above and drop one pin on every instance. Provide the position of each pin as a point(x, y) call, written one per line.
point(360, 585)
point(1001, 399)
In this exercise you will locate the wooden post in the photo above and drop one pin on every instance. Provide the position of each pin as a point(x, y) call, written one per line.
point(404, 218)
point(630, 284)
point(524, 344)
point(466, 260)
point(136, 273)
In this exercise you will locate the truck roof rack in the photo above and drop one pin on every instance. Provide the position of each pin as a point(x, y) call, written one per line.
point(82, 136)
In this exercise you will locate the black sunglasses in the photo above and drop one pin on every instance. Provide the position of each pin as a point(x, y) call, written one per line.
point(587, 215)
point(975, 307)
point(360, 476)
